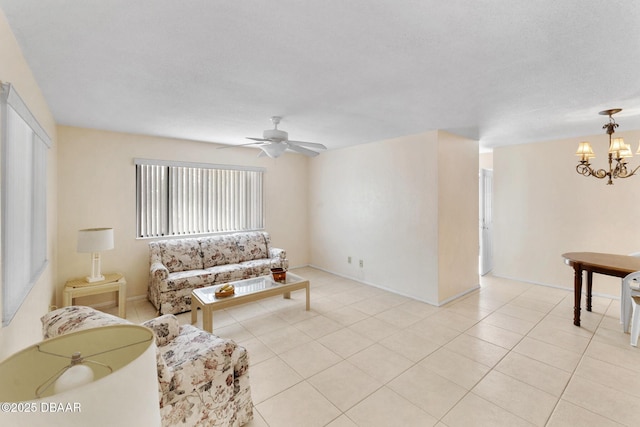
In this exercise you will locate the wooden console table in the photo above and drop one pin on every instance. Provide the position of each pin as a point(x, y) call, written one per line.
point(594, 262)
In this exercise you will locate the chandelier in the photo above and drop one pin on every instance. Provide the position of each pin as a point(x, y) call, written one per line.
point(618, 151)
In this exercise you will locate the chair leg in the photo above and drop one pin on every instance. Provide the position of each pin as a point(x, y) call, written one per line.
point(625, 307)
point(635, 322)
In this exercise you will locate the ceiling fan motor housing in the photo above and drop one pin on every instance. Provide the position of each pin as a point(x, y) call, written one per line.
point(275, 135)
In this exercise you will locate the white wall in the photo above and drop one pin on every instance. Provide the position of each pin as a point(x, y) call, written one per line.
point(543, 208)
point(97, 189)
point(25, 328)
point(458, 206)
point(379, 203)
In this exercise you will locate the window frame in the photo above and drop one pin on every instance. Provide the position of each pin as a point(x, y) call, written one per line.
point(156, 218)
point(23, 249)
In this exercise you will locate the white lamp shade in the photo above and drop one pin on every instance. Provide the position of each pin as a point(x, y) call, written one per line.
point(128, 396)
point(95, 239)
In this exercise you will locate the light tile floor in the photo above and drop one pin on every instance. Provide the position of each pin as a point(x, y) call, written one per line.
point(506, 355)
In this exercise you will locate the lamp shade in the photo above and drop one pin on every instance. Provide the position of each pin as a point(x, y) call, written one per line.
point(626, 152)
point(585, 150)
point(617, 145)
point(95, 239)
point(123, 391)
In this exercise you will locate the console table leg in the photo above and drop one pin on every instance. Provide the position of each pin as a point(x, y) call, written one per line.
point(122, 301)
point(577, 293)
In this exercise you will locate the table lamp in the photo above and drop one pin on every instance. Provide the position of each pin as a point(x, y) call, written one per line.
point(95, 240)
point(117, 382)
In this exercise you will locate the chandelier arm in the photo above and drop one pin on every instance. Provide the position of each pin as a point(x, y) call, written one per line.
point(627, 175)
point(585, 169)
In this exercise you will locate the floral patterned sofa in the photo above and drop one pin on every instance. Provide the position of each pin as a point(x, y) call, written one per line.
point(179, 266)
point(203, 380)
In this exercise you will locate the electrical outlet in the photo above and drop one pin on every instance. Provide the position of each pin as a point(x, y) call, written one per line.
point(361, 263)
point(349, 260)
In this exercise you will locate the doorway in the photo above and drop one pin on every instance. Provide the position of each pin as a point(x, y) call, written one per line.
point(486, 221)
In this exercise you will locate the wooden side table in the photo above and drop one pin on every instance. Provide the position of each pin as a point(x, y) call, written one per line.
point(81, 288)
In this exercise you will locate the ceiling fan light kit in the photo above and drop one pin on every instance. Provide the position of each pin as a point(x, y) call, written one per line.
point(274, 142)
point(618, 151)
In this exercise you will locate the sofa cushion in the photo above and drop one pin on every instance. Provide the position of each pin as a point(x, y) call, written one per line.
point(255, 268)
point(181, 254)
point(225, 273)
point(190, 279)
point(252, 246)
point(219, 250)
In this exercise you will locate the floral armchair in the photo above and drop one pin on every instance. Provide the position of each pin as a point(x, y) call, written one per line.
point(203, 380)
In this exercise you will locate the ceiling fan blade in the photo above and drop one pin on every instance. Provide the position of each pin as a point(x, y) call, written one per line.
point(309, 144)
point(238, 145)
point(258, 139)
point(301, 150)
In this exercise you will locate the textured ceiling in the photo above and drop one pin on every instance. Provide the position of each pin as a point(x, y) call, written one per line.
point(339, 72)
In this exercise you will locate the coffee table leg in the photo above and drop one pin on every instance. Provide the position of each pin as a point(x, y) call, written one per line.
point(194, 311)
point(207, 319)
point(286, 295)
point(308, 298)
point(577, 292)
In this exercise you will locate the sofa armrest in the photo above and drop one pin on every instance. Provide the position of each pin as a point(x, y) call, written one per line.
point(241, 385)
point(166, 328)
point(76, 318)
point(201, 364)
point(158, 272)
point(278, 258)
point(277, 253)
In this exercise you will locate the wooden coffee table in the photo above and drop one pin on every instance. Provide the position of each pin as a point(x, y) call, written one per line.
point(248, 290)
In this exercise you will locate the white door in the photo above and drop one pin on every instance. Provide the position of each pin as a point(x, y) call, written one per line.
point(486, 221)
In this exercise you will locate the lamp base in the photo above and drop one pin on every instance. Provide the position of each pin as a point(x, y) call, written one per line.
point(96, 275)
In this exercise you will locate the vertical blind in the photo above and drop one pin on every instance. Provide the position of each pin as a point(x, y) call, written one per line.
point(180, 199)
point(24, 211)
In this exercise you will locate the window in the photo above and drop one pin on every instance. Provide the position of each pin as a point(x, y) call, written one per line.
point(24, 210)
point(177, 199)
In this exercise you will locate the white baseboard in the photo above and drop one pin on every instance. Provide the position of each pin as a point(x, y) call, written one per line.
point(393, 291)
point(594, 294)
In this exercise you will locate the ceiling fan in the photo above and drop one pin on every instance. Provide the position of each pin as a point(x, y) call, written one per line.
point(274, 142)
